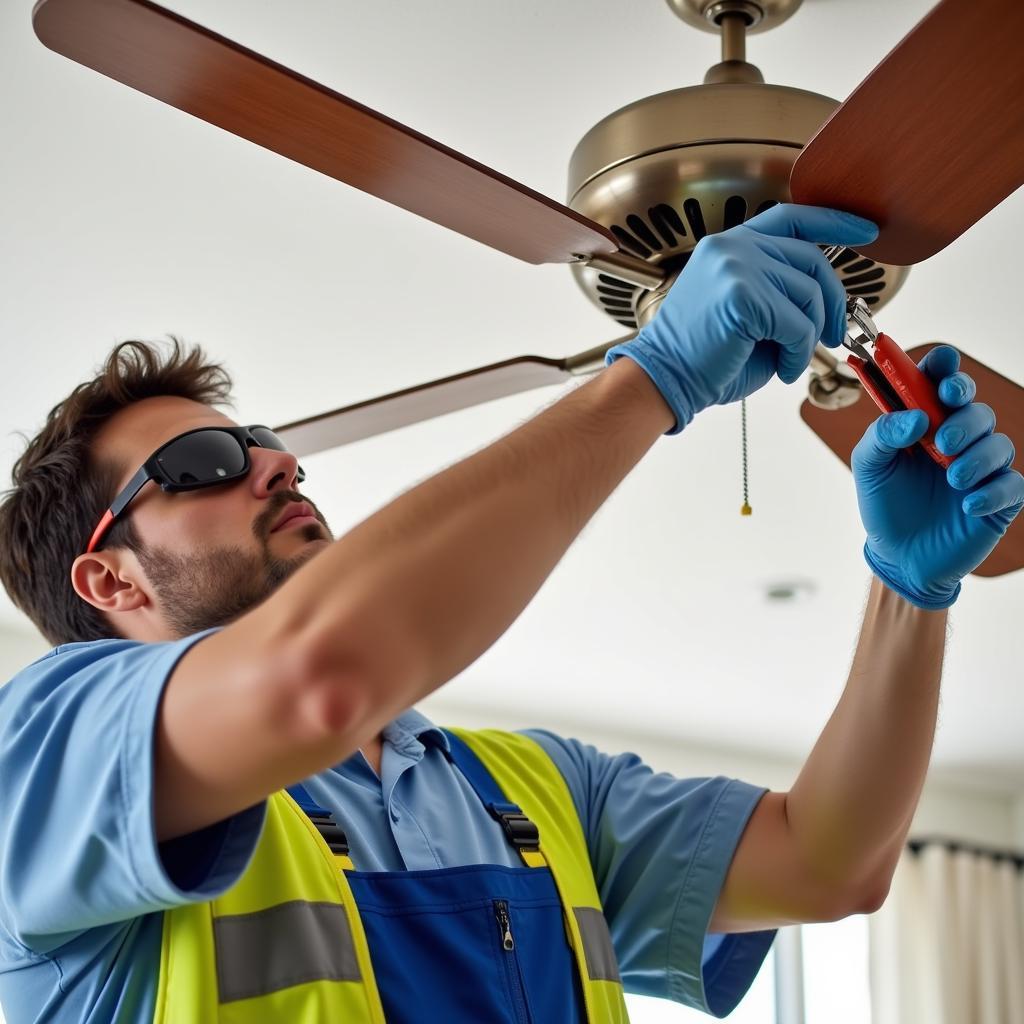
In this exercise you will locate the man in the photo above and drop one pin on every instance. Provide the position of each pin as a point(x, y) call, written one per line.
point(217, 806)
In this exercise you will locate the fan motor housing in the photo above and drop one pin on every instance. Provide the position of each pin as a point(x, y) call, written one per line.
point(665, 171)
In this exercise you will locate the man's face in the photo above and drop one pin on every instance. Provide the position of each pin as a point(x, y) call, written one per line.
point(209, 555)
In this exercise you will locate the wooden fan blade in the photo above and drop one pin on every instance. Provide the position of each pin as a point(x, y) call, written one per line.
point(933, 138)
point(841, 430)
point(175, 60)
point(424, 401)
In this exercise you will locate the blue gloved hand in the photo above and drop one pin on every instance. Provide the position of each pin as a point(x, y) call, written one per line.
point(927, 527)
point(751, 301)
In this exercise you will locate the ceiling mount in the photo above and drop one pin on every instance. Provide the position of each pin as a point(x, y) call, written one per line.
point(711, 15)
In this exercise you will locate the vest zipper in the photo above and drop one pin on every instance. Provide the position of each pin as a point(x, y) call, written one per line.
point(504, 925)
point(513, 971)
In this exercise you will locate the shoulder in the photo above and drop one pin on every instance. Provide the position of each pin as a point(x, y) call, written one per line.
point(44, 676)
point(582, 764)
point(89, 671)
point(589, 772)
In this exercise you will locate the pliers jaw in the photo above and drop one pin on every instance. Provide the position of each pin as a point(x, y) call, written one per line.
point(861, 333)
point(860, 327)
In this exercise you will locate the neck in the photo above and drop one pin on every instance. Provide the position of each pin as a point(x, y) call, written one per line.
point(372, 752)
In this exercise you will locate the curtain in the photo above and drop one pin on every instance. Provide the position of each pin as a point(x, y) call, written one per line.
point(948, 945)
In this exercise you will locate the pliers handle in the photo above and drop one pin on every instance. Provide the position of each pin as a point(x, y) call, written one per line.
point(892, 379)
point(896, 383)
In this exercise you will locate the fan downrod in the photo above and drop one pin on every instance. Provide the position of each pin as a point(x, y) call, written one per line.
point(734, 19)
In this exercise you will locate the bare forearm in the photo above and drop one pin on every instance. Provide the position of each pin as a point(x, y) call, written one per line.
point(852, 804)
point(428, 583)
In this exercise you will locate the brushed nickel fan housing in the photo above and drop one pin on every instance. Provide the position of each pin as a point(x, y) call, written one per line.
point(666, 170)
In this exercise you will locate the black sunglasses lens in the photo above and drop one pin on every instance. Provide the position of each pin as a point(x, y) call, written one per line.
point(204, 457)
point(268, 439)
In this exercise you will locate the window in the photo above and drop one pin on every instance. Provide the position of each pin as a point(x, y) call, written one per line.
point(836, 980)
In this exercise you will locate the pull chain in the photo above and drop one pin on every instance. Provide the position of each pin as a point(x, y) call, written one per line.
point(746, 510)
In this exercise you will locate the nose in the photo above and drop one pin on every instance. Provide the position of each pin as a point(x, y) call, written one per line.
point(272, 471)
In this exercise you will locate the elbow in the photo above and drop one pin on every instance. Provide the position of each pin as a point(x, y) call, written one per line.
point(873, 896)
point(826, 902)
point(863, 897)
point(334, 703)
point(873, 890)
point(349, 683)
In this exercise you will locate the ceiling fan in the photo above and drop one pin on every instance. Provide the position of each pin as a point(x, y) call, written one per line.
point(942, 118)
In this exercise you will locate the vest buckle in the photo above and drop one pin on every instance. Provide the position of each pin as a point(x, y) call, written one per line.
point(332, 832)
point(521, 832)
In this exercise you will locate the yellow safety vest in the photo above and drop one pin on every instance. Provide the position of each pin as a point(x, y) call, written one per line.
point(285, 945)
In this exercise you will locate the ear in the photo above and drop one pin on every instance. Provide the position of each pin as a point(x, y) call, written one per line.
point(109, 580)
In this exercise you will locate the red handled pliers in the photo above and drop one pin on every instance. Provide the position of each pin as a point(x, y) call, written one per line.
point(889, 375)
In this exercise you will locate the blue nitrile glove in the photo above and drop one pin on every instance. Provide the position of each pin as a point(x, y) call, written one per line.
point(928, 527)
point(765, 279)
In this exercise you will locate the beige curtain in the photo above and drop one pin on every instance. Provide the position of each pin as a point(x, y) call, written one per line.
point(948, 945)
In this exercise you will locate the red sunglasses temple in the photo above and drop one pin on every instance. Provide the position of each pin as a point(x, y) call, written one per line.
point(97, 535)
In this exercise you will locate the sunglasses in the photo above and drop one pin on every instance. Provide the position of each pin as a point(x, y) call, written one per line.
point(198, 458)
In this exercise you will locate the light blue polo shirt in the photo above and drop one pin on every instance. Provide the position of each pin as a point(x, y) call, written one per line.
point(83, 882)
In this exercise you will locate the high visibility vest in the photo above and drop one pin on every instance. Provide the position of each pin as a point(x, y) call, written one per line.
point(286, 944)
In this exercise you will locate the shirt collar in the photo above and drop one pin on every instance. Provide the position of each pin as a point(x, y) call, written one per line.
point(416, 724)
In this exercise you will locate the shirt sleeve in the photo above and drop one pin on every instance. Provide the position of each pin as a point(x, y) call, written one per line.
point(660, 847)
point(78, 842)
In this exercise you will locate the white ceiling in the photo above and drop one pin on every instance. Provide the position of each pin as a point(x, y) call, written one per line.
point(123, 217)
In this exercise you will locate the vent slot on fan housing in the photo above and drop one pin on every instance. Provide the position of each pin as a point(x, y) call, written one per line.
point(659, 238)
point(667, 170)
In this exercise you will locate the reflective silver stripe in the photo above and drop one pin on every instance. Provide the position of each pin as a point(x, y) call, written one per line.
point(282, 946)
point(597, 945)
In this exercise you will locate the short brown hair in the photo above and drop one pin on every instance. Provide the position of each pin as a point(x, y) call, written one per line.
point(61, 490)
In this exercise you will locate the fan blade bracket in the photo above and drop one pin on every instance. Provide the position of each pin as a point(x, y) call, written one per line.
point(833, 384)
point(592, 360)
point(629, 268)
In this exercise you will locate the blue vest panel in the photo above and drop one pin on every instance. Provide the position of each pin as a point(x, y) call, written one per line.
point(482, 943)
